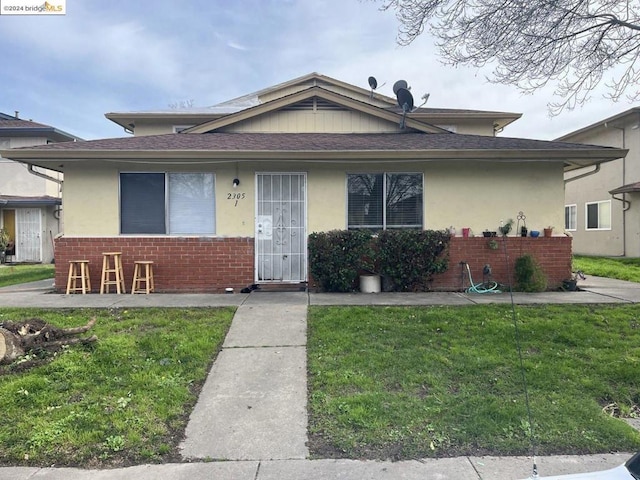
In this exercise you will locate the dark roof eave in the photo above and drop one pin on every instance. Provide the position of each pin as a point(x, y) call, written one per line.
point(631, 188)
point(28, 156)
point(29, 202)
point(48, 132)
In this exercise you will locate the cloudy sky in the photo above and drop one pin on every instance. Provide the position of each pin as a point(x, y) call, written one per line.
point(107, 56)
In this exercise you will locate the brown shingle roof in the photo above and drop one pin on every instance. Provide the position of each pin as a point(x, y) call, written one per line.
point(18, 123)
point(312, 142)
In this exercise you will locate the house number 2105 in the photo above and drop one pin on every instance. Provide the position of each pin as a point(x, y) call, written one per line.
point(236, 196)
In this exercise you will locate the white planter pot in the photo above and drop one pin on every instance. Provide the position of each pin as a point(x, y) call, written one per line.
point(370, 283)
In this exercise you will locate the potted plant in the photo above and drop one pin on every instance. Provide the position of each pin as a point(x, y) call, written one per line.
point(506, 227)
point(548, 231)
point(571, 284)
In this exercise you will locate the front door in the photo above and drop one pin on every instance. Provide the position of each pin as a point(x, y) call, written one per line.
point(281, 227)
point(28, 235)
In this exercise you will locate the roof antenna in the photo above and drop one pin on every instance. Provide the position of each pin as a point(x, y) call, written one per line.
point(425, 97)
point(405, 100)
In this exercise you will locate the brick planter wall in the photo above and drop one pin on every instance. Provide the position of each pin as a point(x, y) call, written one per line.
point(209, 265)
point(553, 254)
point(188, 265)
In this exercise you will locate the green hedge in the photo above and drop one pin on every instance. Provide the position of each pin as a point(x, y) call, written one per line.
point(529, 275)
point(407, 259)
point(337, 257)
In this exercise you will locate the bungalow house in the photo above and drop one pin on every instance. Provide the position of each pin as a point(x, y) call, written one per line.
point(30, 198)
point(225, 197)
point(602, 203)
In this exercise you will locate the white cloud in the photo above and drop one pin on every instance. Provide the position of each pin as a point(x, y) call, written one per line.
point(120, 55)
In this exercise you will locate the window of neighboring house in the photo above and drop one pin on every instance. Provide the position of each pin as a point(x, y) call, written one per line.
point(173, 203)
point(380, 201)
point(598, 215)
point(570, 217)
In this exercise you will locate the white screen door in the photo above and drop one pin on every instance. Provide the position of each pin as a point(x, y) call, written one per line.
point(281, 227)
point(28, 238)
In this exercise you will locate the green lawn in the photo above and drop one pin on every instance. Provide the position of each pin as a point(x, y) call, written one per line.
point(14, 274)
point(620, 268)
point(412, 382)
point(123, 400)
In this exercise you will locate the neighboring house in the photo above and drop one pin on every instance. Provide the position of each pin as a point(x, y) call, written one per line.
point(230, 200)
point(30, 199)
point(602, 204)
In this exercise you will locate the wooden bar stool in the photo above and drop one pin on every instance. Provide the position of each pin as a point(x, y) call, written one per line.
point(78, 270)
point(138, 278)
point(112, 264)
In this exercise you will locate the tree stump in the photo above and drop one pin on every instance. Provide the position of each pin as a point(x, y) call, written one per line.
point(10, 346)
point(19, 338)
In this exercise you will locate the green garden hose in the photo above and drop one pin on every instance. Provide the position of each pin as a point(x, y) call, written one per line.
point(486, 287)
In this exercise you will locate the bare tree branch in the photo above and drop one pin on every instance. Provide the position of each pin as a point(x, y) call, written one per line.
point(531, 43)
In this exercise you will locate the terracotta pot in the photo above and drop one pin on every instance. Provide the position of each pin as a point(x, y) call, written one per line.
point(548, 232)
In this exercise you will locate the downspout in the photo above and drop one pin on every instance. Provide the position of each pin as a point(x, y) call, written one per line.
point(578, 177)
point(624, 201)
point(43, 175)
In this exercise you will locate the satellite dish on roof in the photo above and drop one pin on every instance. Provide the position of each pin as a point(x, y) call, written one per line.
point(400, 84)
point(373, 83)
point(405, 100)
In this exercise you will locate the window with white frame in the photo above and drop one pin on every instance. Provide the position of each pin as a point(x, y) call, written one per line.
point(167, 203)
point(598, 215)
point(380, 201)
point(570, 217)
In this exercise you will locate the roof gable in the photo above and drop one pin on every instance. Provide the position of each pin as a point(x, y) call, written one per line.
point(310, 98)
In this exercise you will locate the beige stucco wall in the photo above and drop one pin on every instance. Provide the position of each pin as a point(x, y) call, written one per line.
point(143, 129)
point(475, 195)
point(320, 121)
point(91, 201)
point(478, 127)
point(15, 179)
point(623, 238)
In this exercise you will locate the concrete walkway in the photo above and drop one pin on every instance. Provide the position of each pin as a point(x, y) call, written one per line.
point(250, 420)
point(253, 404)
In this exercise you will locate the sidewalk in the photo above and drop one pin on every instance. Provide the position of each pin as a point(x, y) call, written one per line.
point(250, 420)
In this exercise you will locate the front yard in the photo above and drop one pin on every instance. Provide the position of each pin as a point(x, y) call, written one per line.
point(384, 382)
point(124, 400)
point(400, 383)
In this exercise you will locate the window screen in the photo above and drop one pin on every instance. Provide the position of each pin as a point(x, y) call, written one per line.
point(570, 220)
point(191, 203)
point(142, 207)
point(380, 201)
point(599, 215)
point(174, 203)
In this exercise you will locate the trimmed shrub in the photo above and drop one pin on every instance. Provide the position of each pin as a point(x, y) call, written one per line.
point(337, 257)
point(409, 258)
point(529, 275)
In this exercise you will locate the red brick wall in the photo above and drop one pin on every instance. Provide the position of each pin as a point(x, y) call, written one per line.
point(553, 254)
point(189, 265)
point(209, 265)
